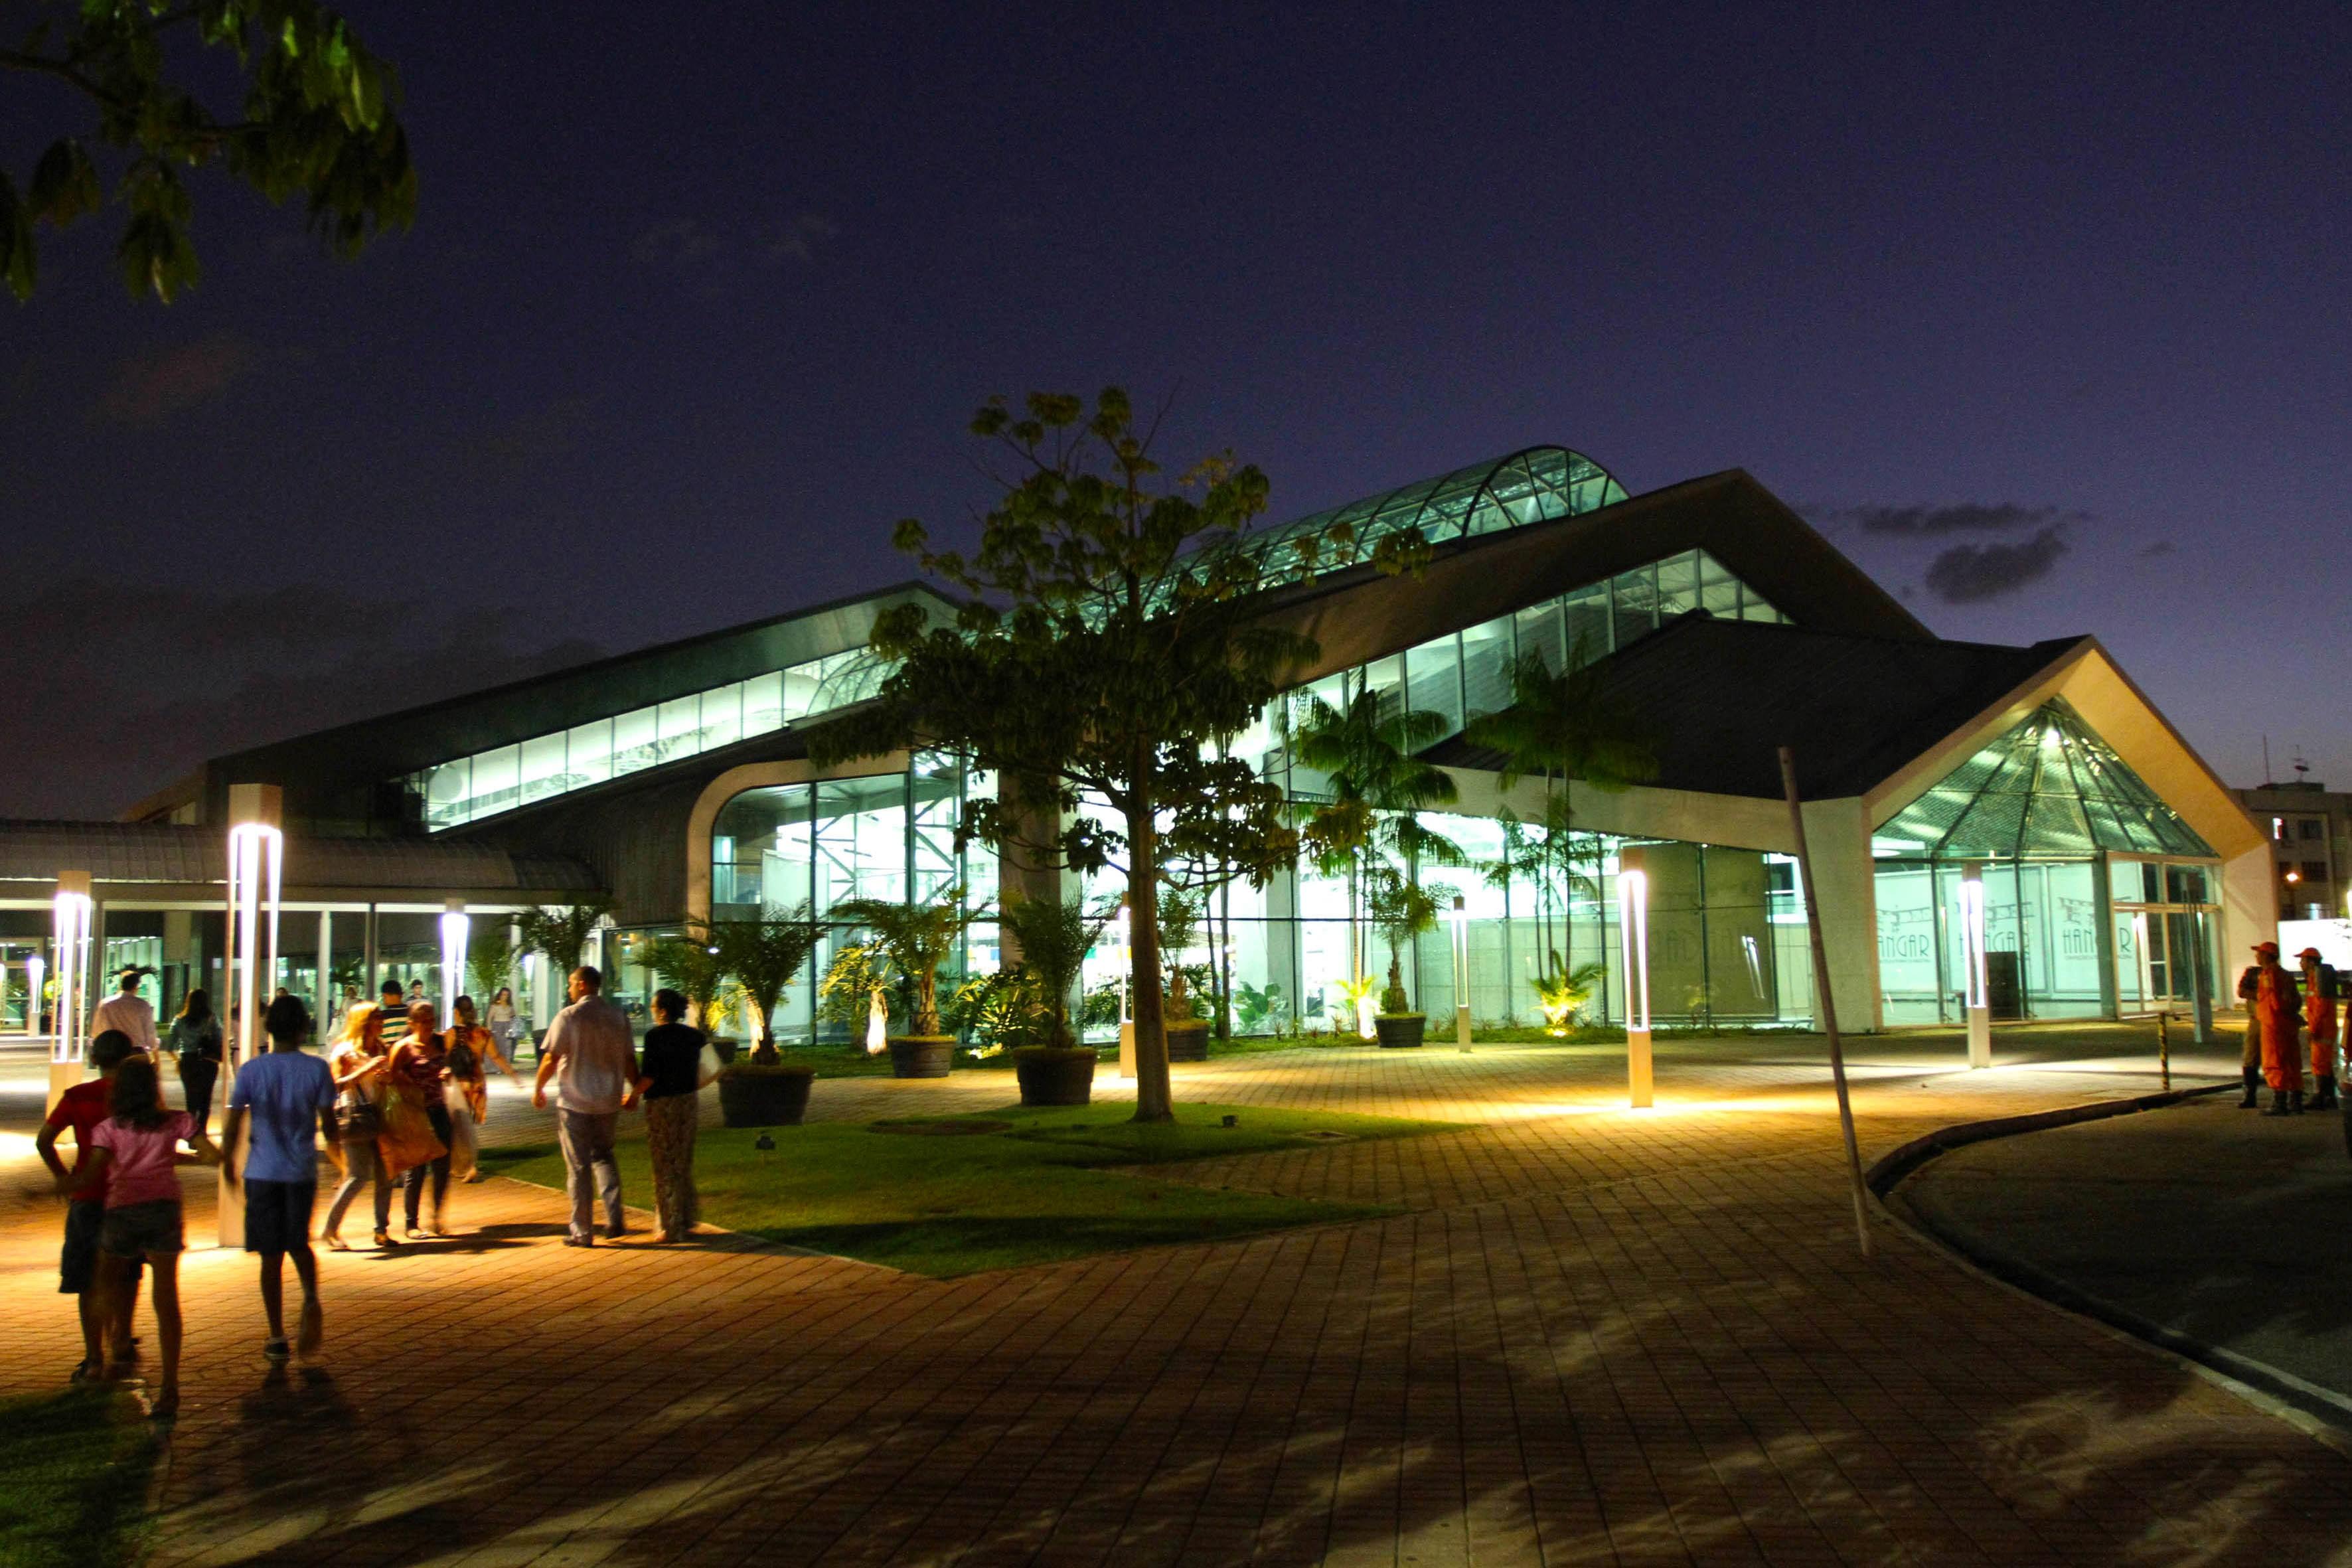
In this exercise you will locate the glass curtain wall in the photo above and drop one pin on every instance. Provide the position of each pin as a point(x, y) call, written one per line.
point(889, 836)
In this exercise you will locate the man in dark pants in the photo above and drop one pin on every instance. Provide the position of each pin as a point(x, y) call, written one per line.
point(288, 1096)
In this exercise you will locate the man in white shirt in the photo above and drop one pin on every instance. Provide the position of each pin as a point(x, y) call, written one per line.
point(592, 1057)
point(128, 1011)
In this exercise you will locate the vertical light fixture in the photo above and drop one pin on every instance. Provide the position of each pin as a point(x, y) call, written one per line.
point(324, 1016)
point(1460, 919)
point(1634, 938)
point(69, 937)
point(1126, 999)
point(456, 931)
point(1976, 995)
point(255, 851)
point(35, 973)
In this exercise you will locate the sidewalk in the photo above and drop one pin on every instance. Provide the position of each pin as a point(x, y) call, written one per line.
point(1594, 1336)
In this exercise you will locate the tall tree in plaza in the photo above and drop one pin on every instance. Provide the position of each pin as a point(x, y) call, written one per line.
point(1108, 645)
point(319, 119)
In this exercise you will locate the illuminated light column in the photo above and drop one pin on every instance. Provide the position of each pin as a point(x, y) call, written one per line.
point(324, 1018)
point(1975, 992)
point(1633, 937)
point(1126, 998)
point(255, 856)
point(35, 973)
point(69, 936)
point(457, 929)
point(1461, 923)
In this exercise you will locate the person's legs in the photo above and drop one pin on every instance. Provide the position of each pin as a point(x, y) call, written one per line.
point(446, 1133)
point(382, 1195)
point(77, 1276)
point(358, 1164)
point(659, 1137)
point(313, 1331)
point(197, 1077)
point(572, 1134)
point(273, 1293)
point(609, 1174)
point(167, 1327)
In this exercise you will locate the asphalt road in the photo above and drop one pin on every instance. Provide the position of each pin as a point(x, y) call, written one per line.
point(2227, 1226)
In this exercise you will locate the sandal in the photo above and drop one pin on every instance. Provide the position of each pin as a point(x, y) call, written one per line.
point(277, 1350)
point(335, 1244)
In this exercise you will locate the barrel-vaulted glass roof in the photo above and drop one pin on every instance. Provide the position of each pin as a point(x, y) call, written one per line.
point(1530, 486)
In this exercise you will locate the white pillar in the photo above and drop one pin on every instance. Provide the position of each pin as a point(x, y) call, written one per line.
point(1461, 935)
point(1633, 937)
point(70, 913)
point(455, 929)
point(255, 856)
point(324, 1015)
point(1974, 996)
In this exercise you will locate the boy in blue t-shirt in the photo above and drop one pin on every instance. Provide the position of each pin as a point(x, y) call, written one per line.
point(288, 1096)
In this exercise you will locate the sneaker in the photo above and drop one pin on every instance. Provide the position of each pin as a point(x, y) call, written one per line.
point(277, 1350)
point(579, 1241)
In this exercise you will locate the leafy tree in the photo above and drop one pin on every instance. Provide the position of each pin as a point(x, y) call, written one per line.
point(909, 945)
point(1179, 927)
point(1109, 644)
point(489, 958)
point(766, 956)
point(319, 120)
point(1401, 911)
point(1380, 786)
point(561, 933)
point(1054, 936)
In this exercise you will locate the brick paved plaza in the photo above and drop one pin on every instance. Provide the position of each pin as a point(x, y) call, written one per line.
point(1592, 1336)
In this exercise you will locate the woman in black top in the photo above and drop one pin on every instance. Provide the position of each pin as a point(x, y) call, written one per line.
point(196, 1043)
point(669, 1079)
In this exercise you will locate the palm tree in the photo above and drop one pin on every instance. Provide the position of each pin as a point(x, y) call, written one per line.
point(765, 956)
point(1380, 786)
point(912, 942)
point(1054, 936)
point(695, 965)
point(1560, 728)
point(563, 932)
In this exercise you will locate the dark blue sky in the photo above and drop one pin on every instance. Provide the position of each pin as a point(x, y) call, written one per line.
point(700, 297)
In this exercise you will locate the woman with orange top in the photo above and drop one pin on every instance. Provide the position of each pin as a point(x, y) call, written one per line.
point(472, 1051)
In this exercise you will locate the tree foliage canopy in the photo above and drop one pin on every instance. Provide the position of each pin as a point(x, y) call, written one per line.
point(320, 120)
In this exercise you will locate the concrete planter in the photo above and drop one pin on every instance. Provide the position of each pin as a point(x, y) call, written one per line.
point(764, 1097)
point(1399, 1031)
point(921, 1056)
point(1188, 1040)
point(1054, 1077)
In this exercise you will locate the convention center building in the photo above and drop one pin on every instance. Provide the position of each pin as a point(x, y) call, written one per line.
point(2121, 876)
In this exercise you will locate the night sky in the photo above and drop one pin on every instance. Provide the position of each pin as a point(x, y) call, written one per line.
point(2045, 321)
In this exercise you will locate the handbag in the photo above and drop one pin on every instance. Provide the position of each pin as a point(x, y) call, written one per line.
point(360, 1119)
point(707, 1070)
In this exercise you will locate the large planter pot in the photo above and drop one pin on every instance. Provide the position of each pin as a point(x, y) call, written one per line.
point(921, 1056)
point(723, 1048)
point(1399, 1031)
point(1055, 1076)
point(1188, 1040)
point(771, 1097)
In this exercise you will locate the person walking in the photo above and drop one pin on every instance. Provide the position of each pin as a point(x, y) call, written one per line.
point(289, 1096)
point(669, 1079)
point(2320, 989)
point(2273, 1009)
point(419, 1071)
point(79, 1110)
point(589, 1054)
point(195, 1044)
point(360, 1066)
point(136, 1153)
point(504, 1022)
point(472, 1051)
point(128, 1011)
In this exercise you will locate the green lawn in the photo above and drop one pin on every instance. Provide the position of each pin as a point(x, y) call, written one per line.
point(997, 1190)
point(74, 1469)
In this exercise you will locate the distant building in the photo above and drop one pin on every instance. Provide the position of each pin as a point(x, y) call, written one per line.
point(2310, 831)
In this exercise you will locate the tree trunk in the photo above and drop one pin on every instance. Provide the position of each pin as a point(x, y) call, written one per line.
point(1153, 1100)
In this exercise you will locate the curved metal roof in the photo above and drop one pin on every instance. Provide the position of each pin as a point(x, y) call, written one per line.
point(1529, 486)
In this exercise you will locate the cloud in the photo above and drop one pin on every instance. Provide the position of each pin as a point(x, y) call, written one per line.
point(182, 674)
point(153, 387)
point(799, 240)
point(1969, 573)
point(2161, 547)
point(1961, 516)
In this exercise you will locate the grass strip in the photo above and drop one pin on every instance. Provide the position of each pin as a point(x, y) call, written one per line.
point(74, 1473)
point(998, 1189)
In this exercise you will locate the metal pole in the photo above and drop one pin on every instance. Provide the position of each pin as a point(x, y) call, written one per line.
point(1822, 993)
point(2164, 1047)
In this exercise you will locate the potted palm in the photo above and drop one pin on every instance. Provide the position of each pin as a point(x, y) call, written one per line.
point(1053, 936)
point(1188, 1032)
point(765, 956)
point(905, 949)
point(1401, 911)
point(693, 964)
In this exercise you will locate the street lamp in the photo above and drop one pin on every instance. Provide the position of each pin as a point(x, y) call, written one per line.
point(1126, 1001)
point(1460, 919)
point(1976, 993)
point(257, 852)
point(69, 935)
point(1634, 938)
point(457, 929)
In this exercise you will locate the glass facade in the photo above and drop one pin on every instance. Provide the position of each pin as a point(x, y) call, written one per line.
point(2083, 916)
point(890, 836)
point(465, 789)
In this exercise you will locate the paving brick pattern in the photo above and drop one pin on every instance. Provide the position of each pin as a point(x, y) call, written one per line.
point(1590, 1336)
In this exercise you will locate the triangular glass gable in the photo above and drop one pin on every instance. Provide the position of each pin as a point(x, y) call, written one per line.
point(2049, 787)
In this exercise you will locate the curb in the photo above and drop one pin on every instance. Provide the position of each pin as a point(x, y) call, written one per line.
point(1891, 1170)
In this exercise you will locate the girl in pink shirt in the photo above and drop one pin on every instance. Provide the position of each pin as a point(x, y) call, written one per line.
point(136, 1152)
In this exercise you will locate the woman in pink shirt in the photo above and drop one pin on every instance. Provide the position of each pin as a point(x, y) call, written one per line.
point(136, 1153)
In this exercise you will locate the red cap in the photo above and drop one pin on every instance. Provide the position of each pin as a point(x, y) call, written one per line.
point(2269, 947)
point(2309, 953)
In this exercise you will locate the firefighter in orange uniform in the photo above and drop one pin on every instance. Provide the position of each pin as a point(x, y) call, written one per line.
point(2273, 1012)
point(2320, 986)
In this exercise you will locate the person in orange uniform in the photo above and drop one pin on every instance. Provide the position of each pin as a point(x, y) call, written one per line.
point(2319, 992)
point(2273, 1012)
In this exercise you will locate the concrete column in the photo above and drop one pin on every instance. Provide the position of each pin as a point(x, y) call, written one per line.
point(323, 1014)
point(1845, 880)
point(374, 979)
